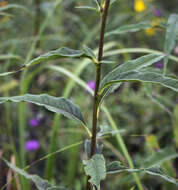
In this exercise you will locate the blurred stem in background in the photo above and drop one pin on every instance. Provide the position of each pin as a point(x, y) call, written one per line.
point(23, 90)
point(37, 20)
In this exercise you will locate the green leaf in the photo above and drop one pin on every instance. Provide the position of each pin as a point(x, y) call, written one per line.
point(135, 64)
point(116, 167)
point(139, 76)
point(53, 55)
point(170, 39)
point(54, 104)
point(156, 171)
point(159, 157)
point(89, 52)
point(96, 169)
point(106, 130)
point(130, 28)
point(87, 7)
point(40, 183)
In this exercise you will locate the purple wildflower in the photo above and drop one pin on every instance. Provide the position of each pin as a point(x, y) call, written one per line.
point(157, 13)
point(33, 122)
point(91, 84)
point(159, 65)
point(32, 145)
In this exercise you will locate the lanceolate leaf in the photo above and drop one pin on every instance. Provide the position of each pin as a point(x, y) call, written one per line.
point(40, 183)
point(135, 65)
point(54, 104)
point(140, 77)
point(130, 28)
point(159, 157)
point(170, 40)
point(116, 167)
point(96, 169)
point(52, 55)
point(139, 63)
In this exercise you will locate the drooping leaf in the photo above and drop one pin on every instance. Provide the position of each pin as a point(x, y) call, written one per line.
point(139, 76)
point(96, 169)
point(53, 55)
point(130, 28)
point(40, 183)
point(54, 104)
point(117, 167)
point(170, 39)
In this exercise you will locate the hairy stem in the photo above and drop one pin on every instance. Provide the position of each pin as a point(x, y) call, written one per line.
point(97, 82)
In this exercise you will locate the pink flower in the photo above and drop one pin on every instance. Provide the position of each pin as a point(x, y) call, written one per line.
point(32, 145)
point(33, 122)
point(91, 84)
point(159, 65)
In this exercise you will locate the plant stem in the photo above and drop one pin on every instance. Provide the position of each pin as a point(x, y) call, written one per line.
point(37, 20)
point(97, 83)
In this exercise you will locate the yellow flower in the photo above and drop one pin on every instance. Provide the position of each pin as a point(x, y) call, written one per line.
point(150, 31)
point(139, 5)
point(152, 141)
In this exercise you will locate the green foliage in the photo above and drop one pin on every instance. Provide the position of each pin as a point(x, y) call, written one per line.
point(131, 71)
point(130, 28)
point(159, 157)
point(116, 167)
point(170, 39)
point(140, 76)
point(53, 55)
point(54, 104)
point(95, 168)
point(40, 183)
point(135, 112)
